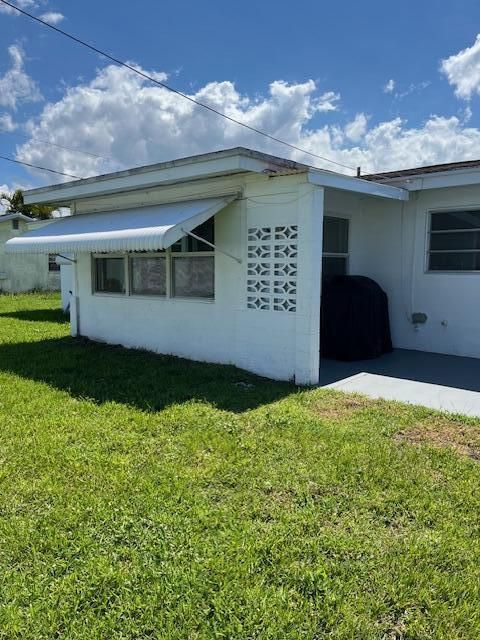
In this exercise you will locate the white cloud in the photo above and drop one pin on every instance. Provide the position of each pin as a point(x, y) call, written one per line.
point(16, 85)
point(327, 101)
point(6, 123)
point(356, 129)
point(412, 88)
point(392, 145)
point(23, 4)
point(389, 86)
point(463, 70)
point(52, 17)
point(4, 188)
point(467, 114)
point(120, 115)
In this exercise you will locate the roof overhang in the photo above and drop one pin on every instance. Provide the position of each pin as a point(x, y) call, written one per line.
point(435, 180)
point(356, 185)
point(16, 216)
point(144, 229)
point(208, 165)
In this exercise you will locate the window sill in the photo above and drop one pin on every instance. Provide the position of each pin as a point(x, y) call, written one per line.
point(105, 294)
point(451, 273)
point(123, 296)
point(203, 300)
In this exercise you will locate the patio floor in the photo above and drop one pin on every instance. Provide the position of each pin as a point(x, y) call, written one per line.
point(446, 383)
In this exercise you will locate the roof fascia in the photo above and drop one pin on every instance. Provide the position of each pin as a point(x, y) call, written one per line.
point(16, 216)
point(357, 185)
point(440, 180)
point(129, 181)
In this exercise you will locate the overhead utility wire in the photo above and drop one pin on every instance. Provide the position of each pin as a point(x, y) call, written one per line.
point(55, 144)
point(171, 89)
point(34, 166)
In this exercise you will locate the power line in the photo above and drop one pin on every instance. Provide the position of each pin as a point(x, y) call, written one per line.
point(54, 144)
point(34, 166)
point(171, 89)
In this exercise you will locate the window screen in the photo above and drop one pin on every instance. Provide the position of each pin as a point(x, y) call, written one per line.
point(193, 277)
point(148, 276)
point(335, 235)
point(335, 247)
point(110, 275)
point(454, 243)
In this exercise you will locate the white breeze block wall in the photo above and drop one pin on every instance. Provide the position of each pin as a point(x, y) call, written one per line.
point(389, 244)
point(232, 329)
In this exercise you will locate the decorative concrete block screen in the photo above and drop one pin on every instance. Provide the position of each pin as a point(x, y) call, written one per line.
point(272, 268)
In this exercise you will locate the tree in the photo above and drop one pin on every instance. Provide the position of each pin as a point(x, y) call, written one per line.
point(15, 204)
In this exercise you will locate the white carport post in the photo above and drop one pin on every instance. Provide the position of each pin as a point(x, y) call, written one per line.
point(309, 278)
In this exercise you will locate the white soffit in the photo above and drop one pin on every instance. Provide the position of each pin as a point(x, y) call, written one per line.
point(141, 229)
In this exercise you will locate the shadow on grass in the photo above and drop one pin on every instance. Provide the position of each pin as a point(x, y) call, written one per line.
point(141, 379)
point(37, 315)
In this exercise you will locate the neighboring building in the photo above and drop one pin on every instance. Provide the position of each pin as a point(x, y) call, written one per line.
point(251, 295)
point(25, 272)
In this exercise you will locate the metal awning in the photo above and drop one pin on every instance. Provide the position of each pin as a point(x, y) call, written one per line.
point(141, 229)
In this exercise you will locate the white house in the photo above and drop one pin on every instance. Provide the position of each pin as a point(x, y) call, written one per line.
point(25, 272)
point(219, 257)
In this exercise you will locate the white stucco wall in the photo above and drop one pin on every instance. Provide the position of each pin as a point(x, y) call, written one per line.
point(278, 344)
point(388, 242)
point(24, 272)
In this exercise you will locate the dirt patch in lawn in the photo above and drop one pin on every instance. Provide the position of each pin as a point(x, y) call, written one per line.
point(339, 406)
point(442, 432)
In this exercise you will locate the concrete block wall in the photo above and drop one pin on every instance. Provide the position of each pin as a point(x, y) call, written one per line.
point(277, 344)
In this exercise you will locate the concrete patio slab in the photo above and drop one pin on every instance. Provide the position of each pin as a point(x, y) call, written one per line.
point(444, 383)
point(433, 396)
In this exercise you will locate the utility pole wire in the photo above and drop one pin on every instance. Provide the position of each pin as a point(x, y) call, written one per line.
point(55, 144)
point(34, 166)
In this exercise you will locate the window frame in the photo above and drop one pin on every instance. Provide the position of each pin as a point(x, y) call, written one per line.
point(169, 256)
point(329, 254)
point(148, 254)
point(53, 262)
point(429, 232)
point(93, 270)
point(189, 254)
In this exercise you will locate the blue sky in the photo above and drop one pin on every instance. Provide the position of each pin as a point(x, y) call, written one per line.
point(311, 72)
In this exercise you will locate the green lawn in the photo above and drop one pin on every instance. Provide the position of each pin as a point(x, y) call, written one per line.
point(149, 497)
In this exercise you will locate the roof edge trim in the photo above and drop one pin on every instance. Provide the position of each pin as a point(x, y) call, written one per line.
point(236, 160)
point(357, 185)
